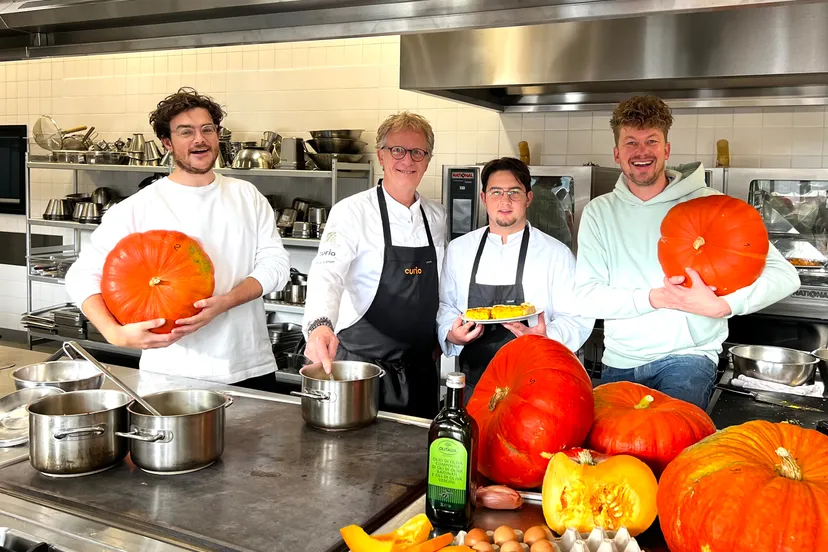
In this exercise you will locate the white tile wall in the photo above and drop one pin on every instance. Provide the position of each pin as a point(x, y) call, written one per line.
point(295, 87)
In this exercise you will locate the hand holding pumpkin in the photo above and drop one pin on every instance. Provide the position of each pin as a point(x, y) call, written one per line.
point(210, 308)
point(698, 299)
point(139, 335)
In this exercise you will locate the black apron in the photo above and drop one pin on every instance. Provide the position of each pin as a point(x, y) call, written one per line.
point(399, 330)
point(475, 357)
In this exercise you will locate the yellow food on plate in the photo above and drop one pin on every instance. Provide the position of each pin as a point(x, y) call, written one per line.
point(512, 311)
point(479, 313)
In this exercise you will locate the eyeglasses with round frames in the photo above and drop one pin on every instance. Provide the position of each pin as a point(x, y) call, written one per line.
point(188, 132)
point(398, 152)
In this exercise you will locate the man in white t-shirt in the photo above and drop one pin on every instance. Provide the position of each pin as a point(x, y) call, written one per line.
point(227, 341)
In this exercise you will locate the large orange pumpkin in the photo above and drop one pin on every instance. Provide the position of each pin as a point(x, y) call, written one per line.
point(721, 237)
point(758, 486)
point(633, 419)
point(585, 489)
point(534, 398)
point(156, 274)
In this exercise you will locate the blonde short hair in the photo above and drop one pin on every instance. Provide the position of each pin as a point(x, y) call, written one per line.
point(405, 121)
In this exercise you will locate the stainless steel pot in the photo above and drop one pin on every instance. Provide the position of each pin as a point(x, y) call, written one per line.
point(75, 433)
point(298, 292)
point(188, 437)
point(350, 401)
point(69, 375)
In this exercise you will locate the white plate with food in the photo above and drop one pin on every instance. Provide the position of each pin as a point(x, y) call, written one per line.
point(499, 314)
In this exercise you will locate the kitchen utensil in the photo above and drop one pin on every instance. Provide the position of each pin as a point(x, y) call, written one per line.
point(301, 230)
point(776, 364)
point(73, 434)
point(319, 231)
point(109, 204)
point(350, 401)
point(285, 222)
point(219, 162)
point(292, 154)
point(104, 157)
point(68, 156)
point(136, 160)
point(14, 419)
point(58, 209)
point(347, 134)
point(78, 142)
point(317, 215)
point(253, 158)
point(271, 141)
point(72, 332)
point(236, 147)
point(822, 355)
point(301, 205)
point(137, 143)
point(74, 346)
point(793, 401)
point(337, 145)
point(48, 135)
point(79, 197)
point(68, 375)
point(273, 296)
point(151, 150)
point(88, 212)
point(325, 160)
point(189, 437)
point(168, 160)
point(102, 195)
point(297, 277)
point(298, 292)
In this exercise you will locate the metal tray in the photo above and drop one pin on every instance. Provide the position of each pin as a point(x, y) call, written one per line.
point(14, 419)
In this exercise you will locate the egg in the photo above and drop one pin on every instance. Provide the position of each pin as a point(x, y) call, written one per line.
point(504, 533)
point(511, 546)
point(536, 533)
point(476, 535)
point(483, 546)
point(542, 546)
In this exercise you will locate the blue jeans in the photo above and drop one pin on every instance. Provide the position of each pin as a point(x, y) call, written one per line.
point(690, 378)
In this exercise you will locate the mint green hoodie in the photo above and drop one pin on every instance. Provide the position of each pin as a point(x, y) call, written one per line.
point(617, 266)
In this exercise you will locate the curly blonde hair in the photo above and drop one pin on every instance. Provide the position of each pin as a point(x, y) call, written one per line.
point(641, 112)
point(405, 121)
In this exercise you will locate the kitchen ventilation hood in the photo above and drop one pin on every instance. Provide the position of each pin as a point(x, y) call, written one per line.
point(767, 56)
point(43, 28)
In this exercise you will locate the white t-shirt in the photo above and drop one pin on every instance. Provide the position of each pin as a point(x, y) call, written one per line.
point(235, 225)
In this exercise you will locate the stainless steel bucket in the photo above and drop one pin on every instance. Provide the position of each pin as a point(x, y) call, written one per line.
point(75, 433)
point(349, 402)
point(188, 437)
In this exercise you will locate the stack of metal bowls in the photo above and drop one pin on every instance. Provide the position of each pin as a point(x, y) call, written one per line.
point(135, 150)
point(343, 145)
point(152, 155)
point(286, 338)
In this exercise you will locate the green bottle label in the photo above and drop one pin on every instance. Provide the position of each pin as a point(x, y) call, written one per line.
point(447, 464)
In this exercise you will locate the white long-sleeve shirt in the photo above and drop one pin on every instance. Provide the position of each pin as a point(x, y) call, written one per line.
point(344, 277)
point(235, 225)
point(548, 282)
point(618, 266)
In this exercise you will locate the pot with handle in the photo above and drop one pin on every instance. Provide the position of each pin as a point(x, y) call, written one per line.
point(349, 400)
point(74, 433)
point(186, 437)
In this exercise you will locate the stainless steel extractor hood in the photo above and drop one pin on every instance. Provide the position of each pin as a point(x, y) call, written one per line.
point(766, 56)
point(41, 28)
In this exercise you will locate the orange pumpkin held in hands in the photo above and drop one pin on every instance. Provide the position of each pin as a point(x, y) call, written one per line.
point(156, 274)
point(758, 486)
point(720, 237)
point(633, 419)
point(534, 398)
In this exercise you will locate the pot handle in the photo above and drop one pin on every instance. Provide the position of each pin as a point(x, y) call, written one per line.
point(76, 431)
point(133, 434)
point(228, 400)
point(315, 395)
point(382, 372)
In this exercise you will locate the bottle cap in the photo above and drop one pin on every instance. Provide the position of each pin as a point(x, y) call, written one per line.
point(456, 380)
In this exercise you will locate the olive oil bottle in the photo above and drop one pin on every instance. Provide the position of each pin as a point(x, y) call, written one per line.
point(452, 461)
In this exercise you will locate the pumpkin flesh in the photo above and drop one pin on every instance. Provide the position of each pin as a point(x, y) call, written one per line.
point(592, 490)
point(156, 274)
point(723, 238)
point(759, 486)
point(534, 398)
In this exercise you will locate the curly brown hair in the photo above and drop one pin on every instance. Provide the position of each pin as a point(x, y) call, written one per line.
point(641, 112)
point(184, 100)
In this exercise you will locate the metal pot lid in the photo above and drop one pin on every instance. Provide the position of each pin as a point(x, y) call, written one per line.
point(14, 418)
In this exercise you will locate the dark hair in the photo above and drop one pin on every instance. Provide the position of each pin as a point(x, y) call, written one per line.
point(184, 100)
point(509, 164)
point(641, 112)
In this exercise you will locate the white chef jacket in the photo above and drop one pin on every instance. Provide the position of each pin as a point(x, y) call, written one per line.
point(548, 283)
point(344, 277)
point(234, 224)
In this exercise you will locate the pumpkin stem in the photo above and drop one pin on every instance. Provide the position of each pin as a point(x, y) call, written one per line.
point(585, 458)
point(789, 468)
point(155, 281)
point(644, 402)
point(698, 242)
point(499, 395)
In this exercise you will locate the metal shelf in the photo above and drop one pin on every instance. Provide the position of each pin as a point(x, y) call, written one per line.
point(87, 167)
point(47, 279)
point(63, 223)
point(86, 343)
point(286, 173)
point(301, 242)
point(271, 306)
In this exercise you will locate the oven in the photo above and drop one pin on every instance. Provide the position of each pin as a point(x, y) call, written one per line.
point(13, 169)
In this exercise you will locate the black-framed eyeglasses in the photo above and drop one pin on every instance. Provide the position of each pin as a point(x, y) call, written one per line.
point(188, 132)
point(398, 152)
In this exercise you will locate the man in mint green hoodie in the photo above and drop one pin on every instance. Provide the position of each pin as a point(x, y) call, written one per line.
point(657, 332)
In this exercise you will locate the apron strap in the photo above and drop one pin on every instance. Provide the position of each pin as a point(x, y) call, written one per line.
point(479, 254)
point(386, 224)
point(524, 248)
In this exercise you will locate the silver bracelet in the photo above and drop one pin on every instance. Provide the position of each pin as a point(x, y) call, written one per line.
point(321, 321)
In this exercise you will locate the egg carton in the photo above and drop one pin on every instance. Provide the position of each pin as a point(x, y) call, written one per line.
point(598, 540)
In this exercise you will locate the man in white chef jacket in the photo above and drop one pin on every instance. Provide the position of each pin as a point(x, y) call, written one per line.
point(373, 287)
point(507, 262)
point(227, 341)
